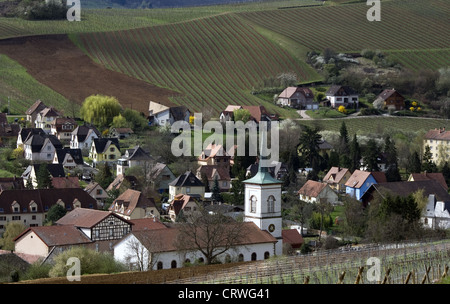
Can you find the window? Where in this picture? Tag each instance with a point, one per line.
(188, 189)
(16, 218)
(173, 264)
(254, 256)
(99, 191)
(271, 204)
(266, 255)
(159, 266)
(253, 204)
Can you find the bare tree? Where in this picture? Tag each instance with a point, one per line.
(210, 233)
(143, 249)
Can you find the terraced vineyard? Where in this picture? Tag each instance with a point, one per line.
(212, 61)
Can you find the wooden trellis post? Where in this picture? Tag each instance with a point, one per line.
(359, 276)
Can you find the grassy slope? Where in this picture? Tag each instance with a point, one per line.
(22, 90)
(409, 29)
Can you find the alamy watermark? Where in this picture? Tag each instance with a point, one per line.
(374, 272)
(374, 13)
(74, 272)
(74, 11)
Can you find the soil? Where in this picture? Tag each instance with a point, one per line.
(56, 62)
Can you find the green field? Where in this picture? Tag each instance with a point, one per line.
(379, 124)
(213, 61)
(19, 90)
(216, 55)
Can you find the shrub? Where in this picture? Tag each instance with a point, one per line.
(37, 271)
(90, 262)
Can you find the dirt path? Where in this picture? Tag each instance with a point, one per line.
(56, 62)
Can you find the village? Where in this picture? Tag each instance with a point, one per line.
(90, 187)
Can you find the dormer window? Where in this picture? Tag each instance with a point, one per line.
(15, 207)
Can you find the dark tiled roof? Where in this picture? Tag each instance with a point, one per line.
(101, 144)
(58, 235)
(38, 106)
(75, 153)
(188, 179)
(44, 199)
(86, 218)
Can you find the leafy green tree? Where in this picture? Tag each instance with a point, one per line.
(371, 155)
(215, 196)
(414, 164)
(43, 177)
(392, 172)
(100, 110)
(355, 154)
(12, 230)
(104, 176)
(91, 262)
(427, 161)
(241, 115)
(309, 146)
(135, 119)
(55, 213)
(120, 122)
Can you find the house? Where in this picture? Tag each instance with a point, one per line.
(132, 204)
(161, 115)
(342, 96)
(439, 177)
(186, 183)
(360, 181)
(30, 173)
(292, 237)
(62, 128)
(41, 147)
(25, 133)
(315, 192)
(120, 133)
(69, 158)
(133, 158)
(160, 177)
(7, 130)
(161, 246)
(94, 229)
(437, 139)
(45, 118)
(65, 182)
(403, 189)
(298, 98)
(257, 113)
(182, 203)
(436, 214)
(33, 111)
(215, 154)
(97, 192)
(11, 183)
(83, 136)
(104, 150)
(31, 206)
(390, 99)
(336, 178)
(213, 172)
(123, 182)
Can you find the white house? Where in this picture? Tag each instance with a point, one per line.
(45, 118)
(83, 136)
(342, 96)
(436, 214)
(298, 97)
(314, 192)
(159, 250)
(40, 147)
(161, 115)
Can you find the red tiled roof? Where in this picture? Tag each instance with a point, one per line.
(439, 177)
(147, 224)
(86, 218)
(57, 235)
(292, 237)
(337, 174)
(438, 134)
(312, 188)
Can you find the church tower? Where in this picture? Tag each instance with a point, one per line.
(263, 204)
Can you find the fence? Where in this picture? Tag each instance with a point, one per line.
(399, 263)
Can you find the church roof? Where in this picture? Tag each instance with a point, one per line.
(262, 177)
